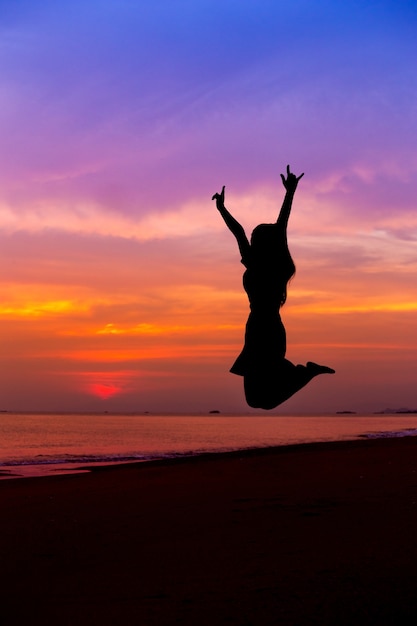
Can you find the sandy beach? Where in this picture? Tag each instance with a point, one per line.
(313, 534)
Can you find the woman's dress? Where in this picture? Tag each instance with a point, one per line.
(265, 338)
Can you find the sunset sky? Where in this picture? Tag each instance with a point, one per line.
(121, 288)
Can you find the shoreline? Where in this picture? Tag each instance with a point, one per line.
(74, 468)
(308, 446)
(61, 453)
(317, 533)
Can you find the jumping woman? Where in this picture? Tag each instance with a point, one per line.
(269, 378)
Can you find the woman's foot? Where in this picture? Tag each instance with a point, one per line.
(317, 369)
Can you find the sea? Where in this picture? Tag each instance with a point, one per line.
(34, 444)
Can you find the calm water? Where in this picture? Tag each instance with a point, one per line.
(33, 444)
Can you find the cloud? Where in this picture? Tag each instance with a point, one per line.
(128, 111)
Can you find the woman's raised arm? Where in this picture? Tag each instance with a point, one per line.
(232, 224)
(290, 183)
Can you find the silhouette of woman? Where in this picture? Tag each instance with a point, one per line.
(269, 378)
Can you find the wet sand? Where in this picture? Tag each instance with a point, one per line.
(314, 534)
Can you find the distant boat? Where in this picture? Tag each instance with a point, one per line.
(214, 411)
(345, 412)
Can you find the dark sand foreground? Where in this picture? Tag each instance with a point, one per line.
(316, 534)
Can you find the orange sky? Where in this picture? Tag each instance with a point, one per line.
(122, 323)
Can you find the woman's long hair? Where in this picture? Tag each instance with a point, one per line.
(271, 256)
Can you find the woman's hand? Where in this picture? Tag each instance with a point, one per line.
(290, 183)
(219, 198)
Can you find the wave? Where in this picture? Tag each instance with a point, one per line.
(77, 459)
(390, 434)
(90, 459)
